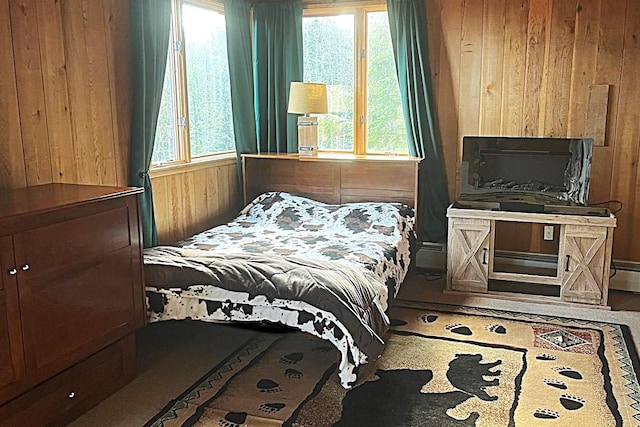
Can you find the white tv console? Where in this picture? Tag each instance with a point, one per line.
(584, 256)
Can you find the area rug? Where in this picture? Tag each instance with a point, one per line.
(442, 366)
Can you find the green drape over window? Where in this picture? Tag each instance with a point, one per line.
(408, 24)
(150, 24)
(237, 15)
(277, 49)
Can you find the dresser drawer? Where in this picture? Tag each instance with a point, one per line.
(72, 392)
(86, 234)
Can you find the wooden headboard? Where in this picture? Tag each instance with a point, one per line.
(333, 178)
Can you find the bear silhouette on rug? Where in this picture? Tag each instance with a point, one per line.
(395, 398)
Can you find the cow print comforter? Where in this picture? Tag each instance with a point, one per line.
(329, 270)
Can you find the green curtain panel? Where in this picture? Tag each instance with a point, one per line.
(150, 24)
(277, 50)
(408, 24)
(237, 15)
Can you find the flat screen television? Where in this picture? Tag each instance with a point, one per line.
(526, 173)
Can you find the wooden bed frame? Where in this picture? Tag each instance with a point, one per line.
(333, 178)
(328, 179)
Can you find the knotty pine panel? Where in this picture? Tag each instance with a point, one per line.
(118, 50)
(12, 169)
(559, 62)
(534, 96)
(55, 83)
(471, 67)
(89, 90)
(514, 63)
(35, 137)
(492, 67)
(71, 82)
(206, 203)
(525, 68)
(583, 71)
(189, 202)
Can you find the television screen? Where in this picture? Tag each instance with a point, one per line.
(521, 169)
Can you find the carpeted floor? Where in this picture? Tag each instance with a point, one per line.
(443, 366)
(174, 355)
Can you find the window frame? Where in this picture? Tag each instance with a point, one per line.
(361, 65)
(176, 59)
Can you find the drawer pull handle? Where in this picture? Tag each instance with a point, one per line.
(566, 265)
(484, 255)
(13, 271)
(71, 395)
(25, 267)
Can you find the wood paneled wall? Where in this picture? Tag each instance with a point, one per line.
(64, 76)
(527, 68)
(195, 200)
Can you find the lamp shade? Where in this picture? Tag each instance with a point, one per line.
(308, 98)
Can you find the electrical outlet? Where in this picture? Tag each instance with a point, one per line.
(548, 232)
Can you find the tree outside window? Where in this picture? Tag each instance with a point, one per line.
(195, 118)
(350, 50)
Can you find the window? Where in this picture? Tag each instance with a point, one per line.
(350, 50)
(195, 118)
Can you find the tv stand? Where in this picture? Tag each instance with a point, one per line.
(584, 257)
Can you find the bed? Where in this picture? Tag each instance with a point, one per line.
(328, 269)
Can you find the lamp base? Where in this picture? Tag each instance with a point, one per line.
(307, 136)
(307, 151)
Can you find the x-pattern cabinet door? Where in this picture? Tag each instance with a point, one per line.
(583, 250)
(468, 254)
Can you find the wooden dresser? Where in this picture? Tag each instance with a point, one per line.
(71, 298)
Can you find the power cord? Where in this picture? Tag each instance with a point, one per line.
(614, 211)
(613, 269)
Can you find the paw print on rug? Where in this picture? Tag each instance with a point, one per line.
(291, 358)
(268, 386)
(233, 419)
(428, 318)
(458, 328)
(271, 408)
(546, 414)
(292, 373)
(545, 356)
(555, 383)
(571, 402)
(497, 329)
(568, 372)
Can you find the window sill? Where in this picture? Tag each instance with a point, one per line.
(194, 165)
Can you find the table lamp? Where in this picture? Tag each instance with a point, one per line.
(308, 98)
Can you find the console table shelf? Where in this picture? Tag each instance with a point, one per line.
(584, 256)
